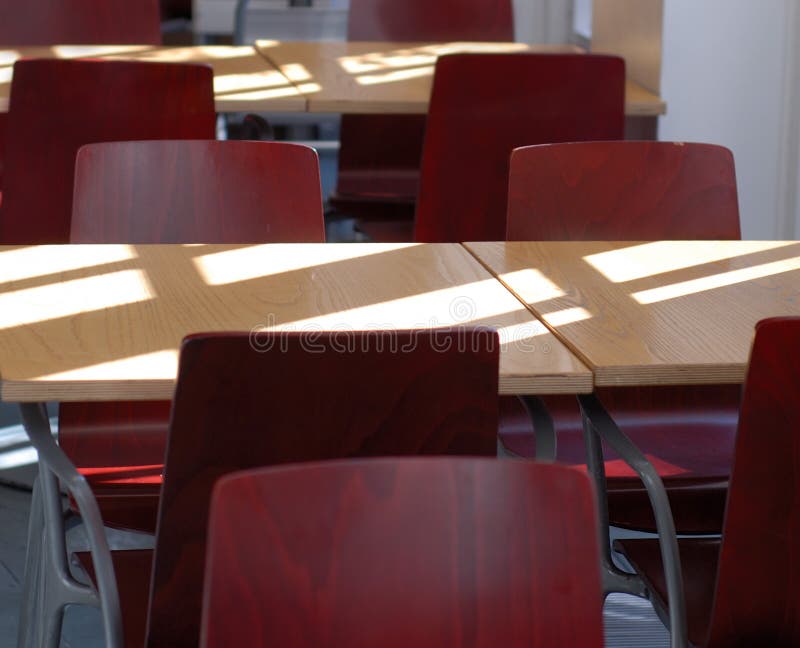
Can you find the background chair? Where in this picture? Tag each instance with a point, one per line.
(637, 191)
(380, 155)
(58, 105)
(173, 192)
(741, 590)
(80, 22)
(403, 552)
(483, 106)
(236, 408)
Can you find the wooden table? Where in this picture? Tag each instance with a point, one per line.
(657, 313)
(661, 313)
(105, 322)
(243, 80)
(374, 77)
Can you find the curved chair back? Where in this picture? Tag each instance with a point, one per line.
(485, 105)
(623, 191)
(79, 22)
(197, 192)
(404, 552)
(245, 402)
(756, 600)
(57, 106)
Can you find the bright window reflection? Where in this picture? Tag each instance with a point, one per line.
(531, 285)
(251, 262)
(158, 365)
(38, 261)
(648, 259)
(719, 280)
(68, 298)
(566, 316)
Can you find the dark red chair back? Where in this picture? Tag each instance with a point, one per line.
(624, 191)
(380, 154)
(485, 105)
(404, 552)
(757, 602)
(249, 401)
(197, 192)
(420, 20)
(98, 22)
(59, 105)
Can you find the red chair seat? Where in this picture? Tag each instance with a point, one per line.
(119, 447)
(699, 560)
(692, 449)
(132, 569)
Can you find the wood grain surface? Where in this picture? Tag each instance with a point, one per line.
(659, 313)
(104, 322)
(385, 77)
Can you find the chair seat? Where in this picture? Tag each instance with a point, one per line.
(119, 447)
(699, 560)
(387, 231)
(132, 569)
(691, 448)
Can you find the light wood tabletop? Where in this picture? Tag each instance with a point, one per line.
(375, 77)
(105, 322)
(665, 312)
(243, 80)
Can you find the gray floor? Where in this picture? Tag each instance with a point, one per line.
(629, 622)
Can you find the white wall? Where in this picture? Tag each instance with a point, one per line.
(728, 70)
(542, 21)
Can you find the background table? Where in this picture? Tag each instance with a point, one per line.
(105, 322)
(375, 77)
(243, 80)
(661, 313)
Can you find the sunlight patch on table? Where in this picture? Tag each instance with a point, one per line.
(38, 261)
(69, 298)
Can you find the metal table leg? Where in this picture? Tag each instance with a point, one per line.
(598, 422)
(49, 586)
(542, 426)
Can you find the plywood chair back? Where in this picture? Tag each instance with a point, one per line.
(756, 600)
(623, 191)
(95, 22)
(57, 106)
(245, 402)
(380, 155)
(404, 552)
(485, 105)
(197, 192)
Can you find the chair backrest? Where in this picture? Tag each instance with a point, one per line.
(404, 552)
(381, 154)
(197, 192)
(421, 20)
(485, 105)
(245, 402)
(623, 191)
(757, 601)
(79, 22)
(59, 105)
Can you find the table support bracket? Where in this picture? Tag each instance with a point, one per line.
(49, 585)
(598, 423)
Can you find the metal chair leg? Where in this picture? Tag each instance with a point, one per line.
(601, 422)
(31, 583)
(543, 428)
(57, 588)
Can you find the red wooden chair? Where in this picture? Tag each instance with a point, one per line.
(633, 191)
(80, 22)
(742, 590)
(403, 552)
(173, 192)
(483, 106)
(235, 408)
(380, 155)
(59, 105)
